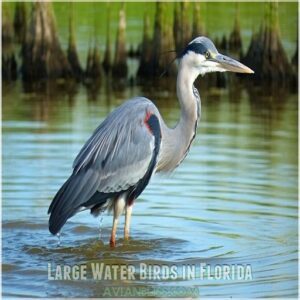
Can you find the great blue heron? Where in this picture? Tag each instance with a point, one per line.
(133, 142)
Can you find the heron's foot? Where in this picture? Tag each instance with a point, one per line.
(126, 235)
(112, 243)
(126, 240)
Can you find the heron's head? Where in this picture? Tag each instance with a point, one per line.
(202, 54)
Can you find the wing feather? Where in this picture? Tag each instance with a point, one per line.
(114, 158)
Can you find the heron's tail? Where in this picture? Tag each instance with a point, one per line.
(57, 210)
(73, 197)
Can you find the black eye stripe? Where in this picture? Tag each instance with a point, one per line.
(195, 47)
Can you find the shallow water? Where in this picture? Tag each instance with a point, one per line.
(232, 201)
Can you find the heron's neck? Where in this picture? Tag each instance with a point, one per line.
(177, 141)
(190, 107)
(187, 95)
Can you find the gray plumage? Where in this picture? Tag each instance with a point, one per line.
(115, 158)
(133, 142)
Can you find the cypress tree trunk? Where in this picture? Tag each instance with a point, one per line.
(235, 40)
(120, 68)
(266, 55)
(146, 68)
(20, 19)
(72, 55)
(9, 63)
(93, 68)
(198, 26)
(181, 27)
(163, 42)
(42, 55)
(107, 55)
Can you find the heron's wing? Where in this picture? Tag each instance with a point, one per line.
(120, 149)
(115, 158)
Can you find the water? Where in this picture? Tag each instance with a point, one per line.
(232, 201)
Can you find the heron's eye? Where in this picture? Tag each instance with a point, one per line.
(207, 55)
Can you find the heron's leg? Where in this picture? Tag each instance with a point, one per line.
(119, 205)
(127, 220)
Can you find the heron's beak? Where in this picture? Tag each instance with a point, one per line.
(229, 64)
